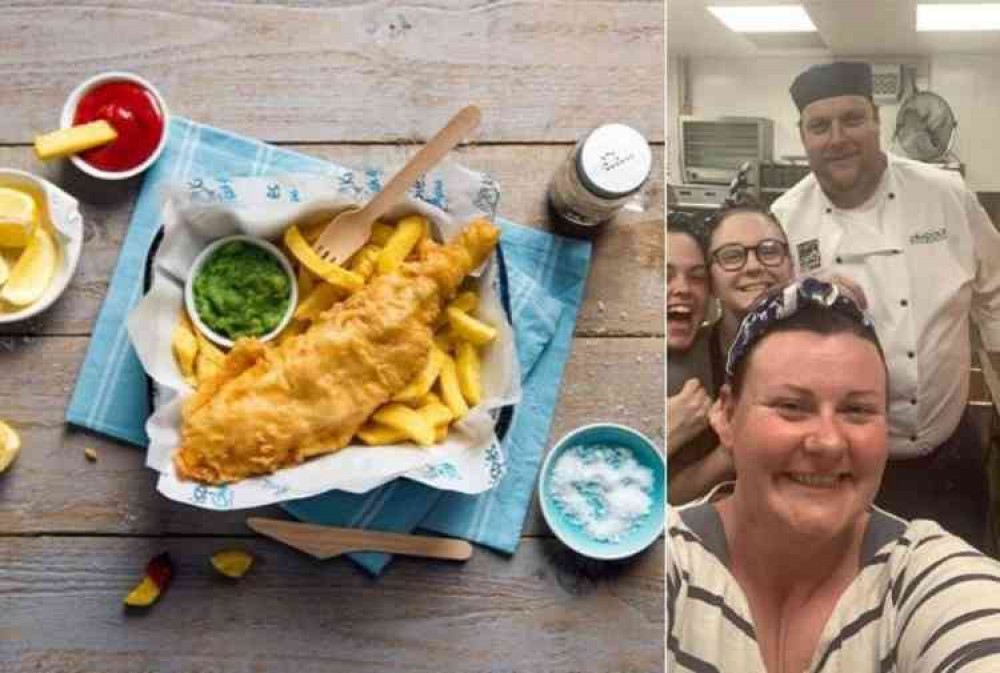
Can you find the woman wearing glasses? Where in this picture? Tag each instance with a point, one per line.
(747, 256)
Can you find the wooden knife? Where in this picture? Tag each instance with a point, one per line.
(327, 541)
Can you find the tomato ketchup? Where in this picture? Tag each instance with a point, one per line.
(135, 115)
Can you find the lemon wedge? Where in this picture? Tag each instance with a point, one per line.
(32, 271)
(10, 445)
(18, 215)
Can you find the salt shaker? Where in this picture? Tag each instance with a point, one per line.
(609, 165)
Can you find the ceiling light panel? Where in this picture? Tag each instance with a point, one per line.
(958, 17)
(765, 19)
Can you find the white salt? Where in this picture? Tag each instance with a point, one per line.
(603, 489)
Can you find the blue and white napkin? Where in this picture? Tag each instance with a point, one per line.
(547, 275)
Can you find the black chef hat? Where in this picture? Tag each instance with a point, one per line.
(840, 78)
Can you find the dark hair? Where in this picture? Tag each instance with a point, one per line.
(689, 225)
(744, 205)
(815, 319)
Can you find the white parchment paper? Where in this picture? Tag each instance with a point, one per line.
(470, 460)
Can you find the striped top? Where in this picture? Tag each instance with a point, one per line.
(923, 602)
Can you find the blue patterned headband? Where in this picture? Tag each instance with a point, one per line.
(784, 303)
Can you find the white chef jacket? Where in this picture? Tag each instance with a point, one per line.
(928, 258)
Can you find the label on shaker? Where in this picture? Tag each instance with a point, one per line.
(610, 164)
(614, 161)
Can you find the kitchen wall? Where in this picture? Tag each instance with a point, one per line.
(674, 94)
(971, 85)
(759, 87)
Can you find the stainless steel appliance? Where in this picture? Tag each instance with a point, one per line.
(713, 149)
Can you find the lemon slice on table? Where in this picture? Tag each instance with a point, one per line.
(18, 215)
(10, 445)
(32, 271)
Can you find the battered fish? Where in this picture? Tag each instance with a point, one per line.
(270, 408)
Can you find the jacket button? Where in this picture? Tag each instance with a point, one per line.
(911, 354)
(892, 195)
(838, 260)
(903, 302)
(829, 210)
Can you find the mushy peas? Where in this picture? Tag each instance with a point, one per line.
(242, 291)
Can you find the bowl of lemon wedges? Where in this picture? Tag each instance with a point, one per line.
(41, 233)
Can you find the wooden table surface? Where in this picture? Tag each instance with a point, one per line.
(360, 83)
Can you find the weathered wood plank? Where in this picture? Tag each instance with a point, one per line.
(357, 81)
(542, 610)
(348, 71)
(625, 293)
(52, 487)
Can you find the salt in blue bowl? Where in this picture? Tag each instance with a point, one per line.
(570, 532)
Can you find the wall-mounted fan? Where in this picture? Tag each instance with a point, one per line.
(925, 127)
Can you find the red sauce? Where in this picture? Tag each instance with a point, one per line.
(134, 114)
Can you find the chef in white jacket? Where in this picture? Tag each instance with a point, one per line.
(927, 257)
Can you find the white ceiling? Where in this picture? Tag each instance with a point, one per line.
(846, 28)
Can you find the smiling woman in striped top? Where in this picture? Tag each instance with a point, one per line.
(790, 569)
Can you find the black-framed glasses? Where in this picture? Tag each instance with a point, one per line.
(733, 256)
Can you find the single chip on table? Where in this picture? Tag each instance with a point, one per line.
(159, 573)
(10, 445)
(232, 563)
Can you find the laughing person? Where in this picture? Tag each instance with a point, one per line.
(927, 257)
(695, 464)
(791, 569)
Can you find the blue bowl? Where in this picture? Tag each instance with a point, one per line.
(570, 532)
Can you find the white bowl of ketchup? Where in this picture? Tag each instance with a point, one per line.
(137, 112)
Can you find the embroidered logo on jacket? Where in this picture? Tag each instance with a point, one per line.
(809, 259)
(932, 236)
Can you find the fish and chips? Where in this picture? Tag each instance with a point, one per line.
(381, 351)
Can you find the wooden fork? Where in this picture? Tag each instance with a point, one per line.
(349, 230)
(324, 542)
